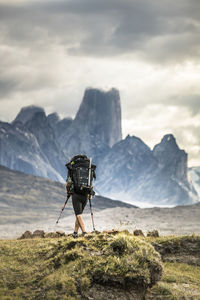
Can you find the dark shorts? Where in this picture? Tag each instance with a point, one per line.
(79, 202)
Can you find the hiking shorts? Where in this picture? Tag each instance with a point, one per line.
(79, 202)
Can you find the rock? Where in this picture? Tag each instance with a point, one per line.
(53, 119)
(62, 126)
(38, 233)
(56, 234)
(171, 159)
(131, 171)
(113, 231)
(138, 232)
(40, 127)
(153, 233)
(60, 233)
(21, 151)
(26, 235)
(27, 113)
(194, 174)
(97, 125)
(51, 235)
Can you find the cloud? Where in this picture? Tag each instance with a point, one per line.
(154, 30)
(51, 50)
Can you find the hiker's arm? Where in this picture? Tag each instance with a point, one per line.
(68, 185)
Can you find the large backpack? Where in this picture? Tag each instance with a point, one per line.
(82, 171)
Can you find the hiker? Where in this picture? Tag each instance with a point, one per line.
(79, 184)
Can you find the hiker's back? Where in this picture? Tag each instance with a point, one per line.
(82, 173)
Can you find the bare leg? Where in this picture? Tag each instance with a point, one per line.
(76, 226)
(80, 222)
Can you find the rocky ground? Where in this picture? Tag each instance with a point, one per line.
(168, 221)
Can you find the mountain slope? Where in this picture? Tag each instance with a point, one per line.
(20, 150)
(144, 177)
(194, 174)
(27, 198)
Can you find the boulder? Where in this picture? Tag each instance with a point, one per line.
(38, 234)
(60, 233)
(26, 235)
(138, 232)
(153, 233)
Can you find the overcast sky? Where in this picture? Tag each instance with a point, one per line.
(50, 51)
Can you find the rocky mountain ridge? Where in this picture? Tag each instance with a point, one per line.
(147, 177)
(127, 169)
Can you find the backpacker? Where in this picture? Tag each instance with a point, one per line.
(82, 171)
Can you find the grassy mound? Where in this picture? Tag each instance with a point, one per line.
(99, 266)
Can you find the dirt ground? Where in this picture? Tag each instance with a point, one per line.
(180, 220)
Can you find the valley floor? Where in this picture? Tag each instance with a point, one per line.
(180, 220)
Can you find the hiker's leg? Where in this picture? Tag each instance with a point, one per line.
(80, 222)
(76, 225)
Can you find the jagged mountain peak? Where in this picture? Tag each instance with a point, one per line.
(98, 102)
(97, 125)
(171, 159)
(168, 138)
(95, 92)
(27, 113)
(168, 141)
(132, 144)
(168, 144)
(53, 118)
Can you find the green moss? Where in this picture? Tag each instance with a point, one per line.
(181, 273)
(60, 282)
(67, 268)
(72, 255)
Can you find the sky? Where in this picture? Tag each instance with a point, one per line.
(52, 50)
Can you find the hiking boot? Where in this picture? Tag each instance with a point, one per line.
(84, 233)
(75, 235)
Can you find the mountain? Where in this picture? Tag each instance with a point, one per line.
(20, 150)
(127, 169)
(39, 144)
(59, 126)
(133, 172)
(97, 125)
(28, 144)
(171, 160)
(194, 174)
(27, 113)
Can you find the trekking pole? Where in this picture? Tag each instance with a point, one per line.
(62, 209)
(90, 196)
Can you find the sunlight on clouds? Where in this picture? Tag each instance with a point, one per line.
(154, 121)
(13, 2)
